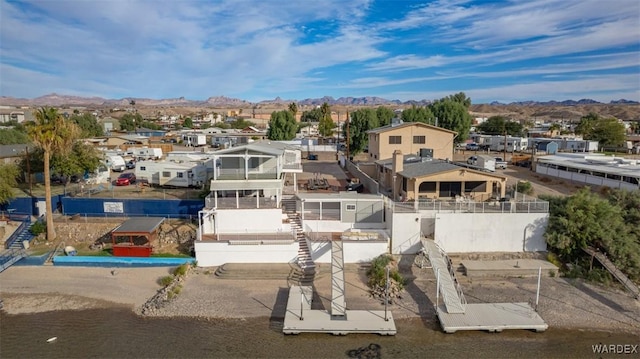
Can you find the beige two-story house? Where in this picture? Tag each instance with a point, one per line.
(410, 138)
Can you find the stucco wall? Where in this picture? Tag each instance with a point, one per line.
(491, 232)
(210, 254)
(249, 220)
(405, 233)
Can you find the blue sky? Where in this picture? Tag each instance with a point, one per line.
(257, 50)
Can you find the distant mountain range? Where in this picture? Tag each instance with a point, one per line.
(223, 101)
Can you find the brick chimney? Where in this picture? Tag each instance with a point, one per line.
(397, 165)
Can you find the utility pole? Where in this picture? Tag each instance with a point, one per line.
(348, 139)
(29, 172)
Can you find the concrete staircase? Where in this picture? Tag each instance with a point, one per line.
(305, 261)
(265, 271)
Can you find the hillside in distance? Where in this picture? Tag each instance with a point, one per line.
(567, 110)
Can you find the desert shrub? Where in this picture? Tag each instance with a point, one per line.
(181, 270)
(166, 280)
(38, 227)
(524, 187)
(378, 274)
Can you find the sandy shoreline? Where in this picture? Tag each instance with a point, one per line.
(46, 288)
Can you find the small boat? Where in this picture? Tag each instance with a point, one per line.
(52, 339)
(70, 251)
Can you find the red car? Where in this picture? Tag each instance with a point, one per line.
(126, 179)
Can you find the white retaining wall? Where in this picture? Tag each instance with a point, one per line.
(212, 254)
(470, 232)
(249, 220)
(491, 232)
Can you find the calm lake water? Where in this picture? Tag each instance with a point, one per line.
(118, 333)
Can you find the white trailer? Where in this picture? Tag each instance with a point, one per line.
(146, 153)
(482, 162)
(115, 163)
(195, 139)
(172, 174)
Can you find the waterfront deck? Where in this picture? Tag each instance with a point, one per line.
(492, 317)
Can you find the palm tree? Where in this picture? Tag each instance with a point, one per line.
(55, 135)
(293, 108)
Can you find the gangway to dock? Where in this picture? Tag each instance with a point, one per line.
(621, 277)
(456, 314)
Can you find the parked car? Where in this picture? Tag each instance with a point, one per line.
(126, 179)
(473, 146)
(131, 165)
(500, 163)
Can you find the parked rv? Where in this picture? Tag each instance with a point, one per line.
(116, 163)
(195, 140)
(146, 153)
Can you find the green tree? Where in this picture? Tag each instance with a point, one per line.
(460, 98)
(452, 113)
(53, 134)
(314, 115)
(241, 123)
(187, 123)
(586, 125)
(12, 136)
(82, 159)
(360, 121)
(586, 219)
(129, 122)
(88, 124)
(326, 125)
(498, 125)
(293, 108)
(608, 132)
(282, 126)
(8, 181)
(418, 114)
(385, 115)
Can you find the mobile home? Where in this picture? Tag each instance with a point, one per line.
(172, 174)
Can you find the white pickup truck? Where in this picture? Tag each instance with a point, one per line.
(500, 163)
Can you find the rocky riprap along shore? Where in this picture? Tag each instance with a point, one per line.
(164, 295)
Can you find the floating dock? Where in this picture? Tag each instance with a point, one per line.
(492, 317)
(456, 314)
(300, 318)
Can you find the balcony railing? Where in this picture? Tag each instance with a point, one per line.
(527, 206)
(239, 174)
(240, 202)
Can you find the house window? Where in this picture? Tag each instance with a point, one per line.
(351, 207)
(419, 139)
(166, 174)
(395, 140)
(143, 168)
(180, 174)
